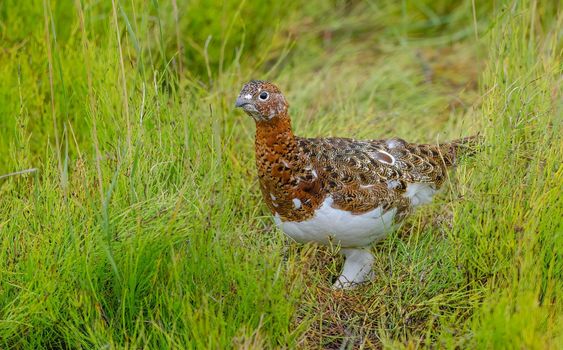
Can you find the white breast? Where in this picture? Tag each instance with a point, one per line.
(340, 226)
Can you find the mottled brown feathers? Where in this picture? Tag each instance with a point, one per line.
(297, 174)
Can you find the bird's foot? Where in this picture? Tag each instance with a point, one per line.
(356, 270)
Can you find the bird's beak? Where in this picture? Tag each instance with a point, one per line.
(241, 101)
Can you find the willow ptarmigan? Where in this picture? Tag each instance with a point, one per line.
(338, 190)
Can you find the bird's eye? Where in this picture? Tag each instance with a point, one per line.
(263, 96)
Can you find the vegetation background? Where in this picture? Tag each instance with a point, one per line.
(138, 223)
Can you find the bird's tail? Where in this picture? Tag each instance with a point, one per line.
(451, 151)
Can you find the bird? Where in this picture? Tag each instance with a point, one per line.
(341, 191)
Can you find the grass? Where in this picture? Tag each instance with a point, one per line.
(139, 223)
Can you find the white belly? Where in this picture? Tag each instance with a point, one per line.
(420, 193)
(340, 227)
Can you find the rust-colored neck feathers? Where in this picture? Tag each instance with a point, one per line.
(276, 150)
(281, 171)
(275, 133)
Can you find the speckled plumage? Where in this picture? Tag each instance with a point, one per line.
(297, 175)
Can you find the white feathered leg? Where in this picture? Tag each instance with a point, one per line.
(357, 268)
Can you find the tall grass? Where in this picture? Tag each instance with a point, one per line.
(129, 211)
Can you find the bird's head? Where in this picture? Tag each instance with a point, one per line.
(261, 100)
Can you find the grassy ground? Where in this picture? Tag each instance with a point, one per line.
(140, 225)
